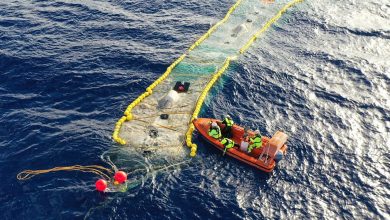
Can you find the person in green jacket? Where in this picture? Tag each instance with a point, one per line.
(228, 122)
(255, 142)
(227, 143)
(215, 131)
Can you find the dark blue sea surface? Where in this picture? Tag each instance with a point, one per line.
(68, 69)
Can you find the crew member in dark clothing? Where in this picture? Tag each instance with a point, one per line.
(227, 130)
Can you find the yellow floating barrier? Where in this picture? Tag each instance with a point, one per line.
(174, 64)
(149, 90)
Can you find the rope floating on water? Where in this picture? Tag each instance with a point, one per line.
(98, 170)
(101, 185)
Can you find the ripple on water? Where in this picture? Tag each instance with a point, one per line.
(68, 69)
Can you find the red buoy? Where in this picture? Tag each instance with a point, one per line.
(101, 185)
(120, 176)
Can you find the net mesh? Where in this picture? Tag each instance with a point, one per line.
(151, 132)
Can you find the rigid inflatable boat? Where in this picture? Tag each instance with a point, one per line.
(265, 158)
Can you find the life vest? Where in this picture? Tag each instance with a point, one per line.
(228, 122)
(227, 143)
(256, 143)
(215, 132)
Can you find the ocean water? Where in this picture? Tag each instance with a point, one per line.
(68, 69)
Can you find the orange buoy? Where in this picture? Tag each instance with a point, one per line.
(101, 185)
(120, 176)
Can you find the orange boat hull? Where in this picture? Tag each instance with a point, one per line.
(264, 163)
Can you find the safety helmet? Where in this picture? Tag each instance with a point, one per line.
(257, 132)
(214, 125)
(228, 116)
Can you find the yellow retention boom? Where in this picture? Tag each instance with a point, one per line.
(206, 90)
(223, 69)
(199, 104)
(127, 114)
(268, 25)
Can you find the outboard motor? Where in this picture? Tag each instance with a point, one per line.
(278, 156)
(275, 145)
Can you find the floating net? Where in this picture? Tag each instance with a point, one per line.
(159, 120)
